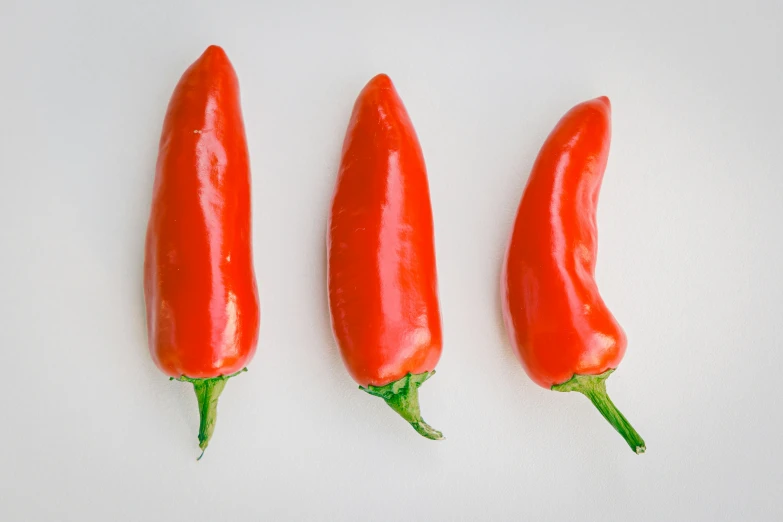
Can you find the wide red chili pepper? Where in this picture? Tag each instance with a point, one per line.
(381, 256)
(563, 332)
(199, 284)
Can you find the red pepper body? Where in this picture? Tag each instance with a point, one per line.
(562, 330)
(382, 279)
(558, 322)
(199, 283)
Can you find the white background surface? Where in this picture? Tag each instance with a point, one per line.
(690, 260)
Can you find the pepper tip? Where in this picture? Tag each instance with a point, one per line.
(214, 48)
(214, 53)
(381, 81)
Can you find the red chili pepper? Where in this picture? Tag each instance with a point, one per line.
(199, 284)
(381, 256)
(563, 332)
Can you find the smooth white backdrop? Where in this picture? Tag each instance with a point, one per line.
(689, 260)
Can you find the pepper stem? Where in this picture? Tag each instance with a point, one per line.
(207, 392)
(594, 388)
(403, 397)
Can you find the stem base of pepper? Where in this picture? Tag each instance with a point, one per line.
(594, 388)
(207, 392)
(402, 396)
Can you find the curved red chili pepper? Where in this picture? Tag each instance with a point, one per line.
(565, 336)
(381, 275)
(199, 283)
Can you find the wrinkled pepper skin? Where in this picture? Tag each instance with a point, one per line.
(382, 281)
(561, 329)
(199, 282)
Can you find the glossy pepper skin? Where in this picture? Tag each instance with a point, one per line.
(199, 283)
(563, 332)
(382, 280)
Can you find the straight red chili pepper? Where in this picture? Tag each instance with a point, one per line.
(381, 256)
(565, 336)
(199, 283)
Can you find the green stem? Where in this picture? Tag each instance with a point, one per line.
(594, 388)
(403, 397)
(207, 392)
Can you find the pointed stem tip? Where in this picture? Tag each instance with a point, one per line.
(208, 392)
(594, 388)
(403, 397)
